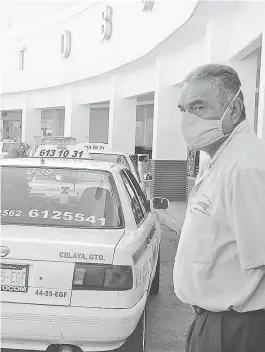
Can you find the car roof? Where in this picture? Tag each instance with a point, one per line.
(60, 162)
(108, 152)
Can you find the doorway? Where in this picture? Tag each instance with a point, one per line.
(144, 124)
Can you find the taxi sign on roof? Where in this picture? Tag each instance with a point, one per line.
(56, 140)
(58, 147)
(61, 151)
(94, 147)
(38, 141)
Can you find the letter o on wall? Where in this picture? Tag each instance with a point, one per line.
(65, 44)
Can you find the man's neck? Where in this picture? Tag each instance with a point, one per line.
(212, 149)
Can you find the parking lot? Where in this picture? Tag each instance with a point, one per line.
(167, 318)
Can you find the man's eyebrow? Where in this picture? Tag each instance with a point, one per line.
(190, 104)
(194, 102)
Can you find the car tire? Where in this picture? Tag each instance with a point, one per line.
(156, 280)
(136, 342)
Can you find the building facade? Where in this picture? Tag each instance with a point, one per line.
(111, 72)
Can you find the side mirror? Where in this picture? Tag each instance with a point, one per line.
(148, 177)
(159, 203)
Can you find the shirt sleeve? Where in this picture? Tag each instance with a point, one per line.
(247, 214)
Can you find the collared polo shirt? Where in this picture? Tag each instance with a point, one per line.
(220, 261)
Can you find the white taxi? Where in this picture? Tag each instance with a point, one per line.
(76, 271)
(96, 151)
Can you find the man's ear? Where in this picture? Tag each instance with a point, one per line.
(236, 111)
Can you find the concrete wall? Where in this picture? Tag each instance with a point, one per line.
(99, 125)
(134, 34)
(141, 56)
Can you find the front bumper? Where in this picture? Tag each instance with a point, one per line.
(36, 327)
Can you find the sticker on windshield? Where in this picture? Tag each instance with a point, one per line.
(90, 177)
(11, 212)
(56, 215)
(33, 171)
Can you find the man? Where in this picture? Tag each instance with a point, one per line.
(220, 262)
(16, 150)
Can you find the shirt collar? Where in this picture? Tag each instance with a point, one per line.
(242, 127)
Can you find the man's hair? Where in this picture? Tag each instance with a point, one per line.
(224, 77)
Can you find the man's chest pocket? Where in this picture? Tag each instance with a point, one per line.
(198, 237)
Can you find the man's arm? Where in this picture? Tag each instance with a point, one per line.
(246, 211)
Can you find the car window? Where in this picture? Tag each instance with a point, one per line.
(135, 169)
(137, 208)
(138, 190)
(59, 197)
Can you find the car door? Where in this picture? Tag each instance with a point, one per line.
(148, 239)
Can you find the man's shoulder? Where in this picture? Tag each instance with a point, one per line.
(247, 151)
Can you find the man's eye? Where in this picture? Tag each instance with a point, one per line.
(198, 109)
(182, 109)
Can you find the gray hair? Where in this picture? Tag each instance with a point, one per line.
(224, 77)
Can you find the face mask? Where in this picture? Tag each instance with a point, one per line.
(199, 133)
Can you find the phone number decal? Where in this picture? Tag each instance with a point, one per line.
(55, 215)
(67, 216)
(95, 147)
(63, 153)
(11, 212)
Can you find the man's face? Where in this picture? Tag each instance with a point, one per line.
(201, 99)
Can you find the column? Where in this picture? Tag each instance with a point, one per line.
(31, 124)
(1, 103)
(76, 122)
(247, 71)
(1, 129)
(261, 110)
(122, 121)
(169, 159)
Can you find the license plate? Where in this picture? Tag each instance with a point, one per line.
(14, 278)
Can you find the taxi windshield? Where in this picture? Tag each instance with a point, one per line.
(44, 196)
